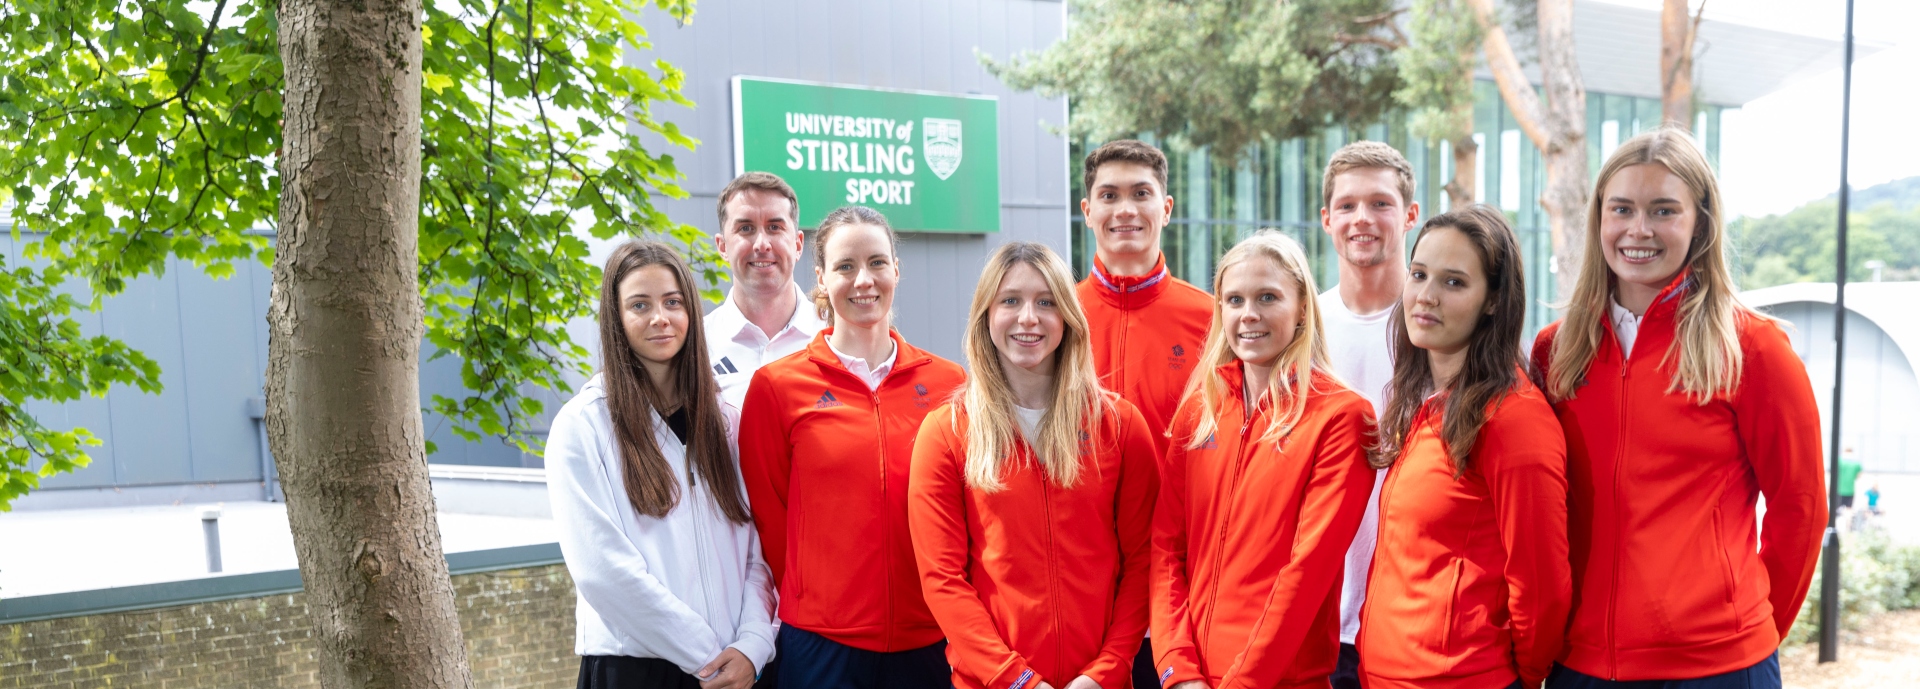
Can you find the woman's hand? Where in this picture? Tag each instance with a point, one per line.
(731, 670)
(1083, 682)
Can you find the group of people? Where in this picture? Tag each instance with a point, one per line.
(1134, 482)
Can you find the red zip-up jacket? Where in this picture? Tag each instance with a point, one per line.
(825, 462)
(1250, 540)
(1036, 582)
(1147, 332)
(1470, 585)
(1661, 491)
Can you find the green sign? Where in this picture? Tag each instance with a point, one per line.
(929, 161)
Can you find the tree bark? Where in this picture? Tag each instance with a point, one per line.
(1558, 127)
(1466, 159)
(345, 322)
(1676, 62)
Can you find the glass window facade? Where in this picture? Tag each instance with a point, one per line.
(1219, 200)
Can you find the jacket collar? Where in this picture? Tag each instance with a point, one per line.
(1131, 289)
(905, 356)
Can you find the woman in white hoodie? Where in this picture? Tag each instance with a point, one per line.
(647, 496)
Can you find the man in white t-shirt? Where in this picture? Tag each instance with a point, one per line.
(1369, 208)
(765, 316)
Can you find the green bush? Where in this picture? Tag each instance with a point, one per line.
(1876, 576)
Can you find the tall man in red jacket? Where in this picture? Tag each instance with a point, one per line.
(1147, 326)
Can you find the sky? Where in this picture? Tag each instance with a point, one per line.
(1783, 150)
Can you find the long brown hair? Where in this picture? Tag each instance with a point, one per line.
(1705, 352)
(1077, 400)
(1493, 352)
(1293, 371)
(632, 397)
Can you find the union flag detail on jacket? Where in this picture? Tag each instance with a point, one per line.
(827, 400)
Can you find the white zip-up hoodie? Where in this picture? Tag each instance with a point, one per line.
(682, 588)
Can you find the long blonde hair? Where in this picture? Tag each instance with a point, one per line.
(1706, 343)
(1293, 371)
(987, 399)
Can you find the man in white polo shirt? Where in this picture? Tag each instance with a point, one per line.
(765, 316)
(1369, 208)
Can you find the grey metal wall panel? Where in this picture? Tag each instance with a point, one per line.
(221, 372)
(147, 317)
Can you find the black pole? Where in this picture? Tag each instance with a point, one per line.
(1830, 569)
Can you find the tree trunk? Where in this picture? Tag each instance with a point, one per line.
(1465, 173)
(1676, 62)
(1557, 127)
(343, 398)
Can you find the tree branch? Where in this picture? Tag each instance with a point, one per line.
(1527, 109)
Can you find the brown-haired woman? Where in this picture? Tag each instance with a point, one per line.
(1470, 584)
(826, 440)
(648, 501)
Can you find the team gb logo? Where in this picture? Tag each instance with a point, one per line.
(940, 141)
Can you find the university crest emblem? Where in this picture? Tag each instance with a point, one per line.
(940, 145)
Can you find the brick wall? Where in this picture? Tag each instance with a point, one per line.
(518, 625)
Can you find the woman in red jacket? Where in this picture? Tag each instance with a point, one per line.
(826, 440)
(1470, 585)
(1263, 487)
(1032, 495)
(1681, 407)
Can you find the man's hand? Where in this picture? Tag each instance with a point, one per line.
(731, 670)
(1083, 682)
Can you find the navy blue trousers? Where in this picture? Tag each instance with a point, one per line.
(811, 661)
(1143, 675)
(1762, 675)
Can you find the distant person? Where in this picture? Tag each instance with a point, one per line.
(1032, 494)
(765, 316)
(1367, 209)
(1681, 409)
(647, 501)
(1262, 489)
(1147, 326)
(826, 445)
(1470, 584)
(1873, 499)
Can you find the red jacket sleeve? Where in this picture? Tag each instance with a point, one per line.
(1523, 456)
(1175, 658)
(1780, 428)
(766, 463)
(1336, 498)
(936, 519)
(1133, 519)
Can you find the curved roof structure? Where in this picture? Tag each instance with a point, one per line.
(1893, 306)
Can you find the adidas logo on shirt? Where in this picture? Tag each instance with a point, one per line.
(1209, 443)
(724, 367)
(827, 400)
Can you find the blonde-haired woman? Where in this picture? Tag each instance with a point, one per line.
(1263, 488)
(1032, 494)
(1681, 407)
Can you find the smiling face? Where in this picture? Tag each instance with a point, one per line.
(1647, 220)
(1024, 322)
(1126, 208)
(859, 274)
(1367, 218)
(653, 313)
(1260, 310)
(760, 240)
(1446, 292)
